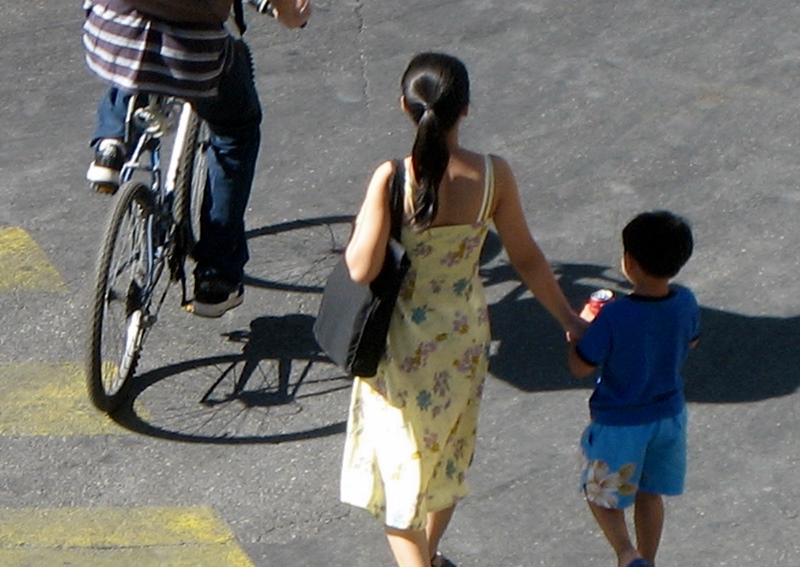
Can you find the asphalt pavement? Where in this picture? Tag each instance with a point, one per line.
(228, 453)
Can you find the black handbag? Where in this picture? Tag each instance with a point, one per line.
(353, 319)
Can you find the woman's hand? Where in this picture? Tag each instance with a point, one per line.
(576, 327)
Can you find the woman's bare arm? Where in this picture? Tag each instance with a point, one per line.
(366, 250)
(527, 258)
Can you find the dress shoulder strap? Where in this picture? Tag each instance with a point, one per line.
(488, 189)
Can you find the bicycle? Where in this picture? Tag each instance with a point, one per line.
(148, 238)
(149, 235)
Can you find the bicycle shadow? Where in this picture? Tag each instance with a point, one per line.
(739, 359)
(279, 388)
(300, 255)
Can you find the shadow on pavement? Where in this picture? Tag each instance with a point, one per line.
(297, 256)
(278, 389)
(739, 359)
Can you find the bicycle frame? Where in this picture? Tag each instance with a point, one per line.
(145, 126)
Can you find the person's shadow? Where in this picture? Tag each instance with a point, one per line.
(740, 358)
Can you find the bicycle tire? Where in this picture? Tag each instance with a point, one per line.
(118, 306)
(190, 184)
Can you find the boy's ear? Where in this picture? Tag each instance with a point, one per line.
(626, 258)
(629, 264)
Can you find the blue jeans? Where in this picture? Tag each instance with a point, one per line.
(234, 118)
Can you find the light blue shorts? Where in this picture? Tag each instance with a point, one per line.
(620, 461)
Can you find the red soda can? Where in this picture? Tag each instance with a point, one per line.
(599, 298)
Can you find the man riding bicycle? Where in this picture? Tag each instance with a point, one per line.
(182, 48)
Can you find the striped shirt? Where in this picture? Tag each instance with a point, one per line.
(138, 53)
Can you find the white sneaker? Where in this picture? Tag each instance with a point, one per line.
(103, 173)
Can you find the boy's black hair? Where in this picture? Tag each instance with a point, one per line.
(660, 241)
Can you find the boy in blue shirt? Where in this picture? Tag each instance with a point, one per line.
(635, 445)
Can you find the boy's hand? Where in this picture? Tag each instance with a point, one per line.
(587, 314)
(292, 13)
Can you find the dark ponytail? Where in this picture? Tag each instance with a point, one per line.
(436, 90)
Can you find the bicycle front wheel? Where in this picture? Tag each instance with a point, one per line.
(119, 303)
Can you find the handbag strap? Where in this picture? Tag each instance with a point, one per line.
(397, 197)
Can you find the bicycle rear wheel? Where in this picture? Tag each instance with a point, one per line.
(190, 181)
(120, 302)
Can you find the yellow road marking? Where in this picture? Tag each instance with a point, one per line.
(123, 537)
(23, 265)
(48, 399)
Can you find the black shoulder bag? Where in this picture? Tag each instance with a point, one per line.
(353, 319)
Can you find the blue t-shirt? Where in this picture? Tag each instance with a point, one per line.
(640, 344)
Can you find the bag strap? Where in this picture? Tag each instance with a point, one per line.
(397, 197)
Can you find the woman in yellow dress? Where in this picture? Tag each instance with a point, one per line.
(412, 427)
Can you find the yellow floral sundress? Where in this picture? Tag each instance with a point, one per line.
(411, 429)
